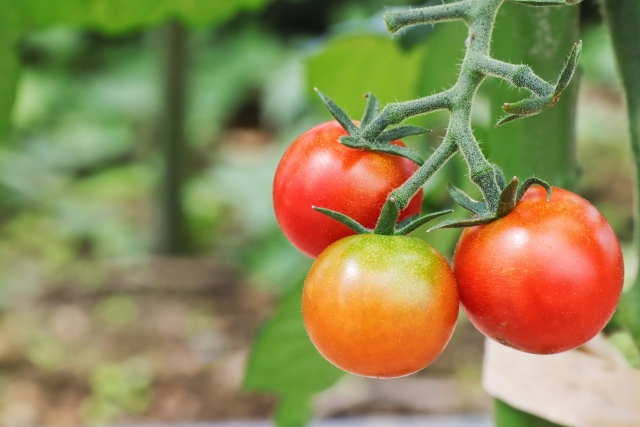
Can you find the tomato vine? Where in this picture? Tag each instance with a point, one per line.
(499, 196)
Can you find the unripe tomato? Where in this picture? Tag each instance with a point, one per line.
(317, 170)
(543, 279)
(380, 306)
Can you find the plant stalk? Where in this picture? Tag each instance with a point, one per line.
(623, 18)
(173, 140)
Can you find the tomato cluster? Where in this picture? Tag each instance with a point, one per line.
(544, 278)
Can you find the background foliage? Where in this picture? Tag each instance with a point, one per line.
(94, 326)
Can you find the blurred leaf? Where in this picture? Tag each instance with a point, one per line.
(507, 416)
(113, 16)
(623, 341)
(348, 67)
(107, 16)
(597, 62)
(9, 64)
(623, 18)
(283, 360)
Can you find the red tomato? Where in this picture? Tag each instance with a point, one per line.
(317, 170)
(380, 306)
(545, 278)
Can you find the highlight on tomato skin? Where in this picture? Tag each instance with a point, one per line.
(317, 170)
(544, 279)
(380, 306)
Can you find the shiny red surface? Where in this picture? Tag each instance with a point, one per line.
(317, 170)
(544, 279)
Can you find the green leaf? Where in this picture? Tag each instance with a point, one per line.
(507, 416)
(283, 360)
(569, 69)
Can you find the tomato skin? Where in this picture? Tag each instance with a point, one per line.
(380, 306)
(317, 170)
(545, 278)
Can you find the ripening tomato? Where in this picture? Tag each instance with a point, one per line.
(317, 170)
(380, 306)
(543, 279)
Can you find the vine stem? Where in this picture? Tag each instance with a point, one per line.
(499, 200)
(480, 17)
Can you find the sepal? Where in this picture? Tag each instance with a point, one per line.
(388, 218)
(401, 132)
(465, 222)
(536, 104)
(338, 113)
(397, 150)
(406, 227)
(569, 69)
(533, 181)
(344, 219)
(461, 198)
(353, 142)
(529, 106)
(371, 110)
(508, 199)
(500, 178)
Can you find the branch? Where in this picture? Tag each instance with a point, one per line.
(548, 2)
(427, 15)
(392, 114)
(521, 76)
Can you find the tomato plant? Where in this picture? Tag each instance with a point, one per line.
(380, 306)
(317, 170)
(543, 279)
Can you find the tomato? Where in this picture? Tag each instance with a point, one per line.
(380, 306)
(543, 279)
(317, 170)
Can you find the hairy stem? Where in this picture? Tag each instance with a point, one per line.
(427, 15)
(403, 194)
(395, 113)
(521, 76)
(480, 16)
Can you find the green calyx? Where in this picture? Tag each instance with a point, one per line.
(499, 197)
(509, 198)
(387, 223)
(381, 143)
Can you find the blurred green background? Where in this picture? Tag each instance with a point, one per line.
(131, 285)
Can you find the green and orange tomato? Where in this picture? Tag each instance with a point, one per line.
(380, 306)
